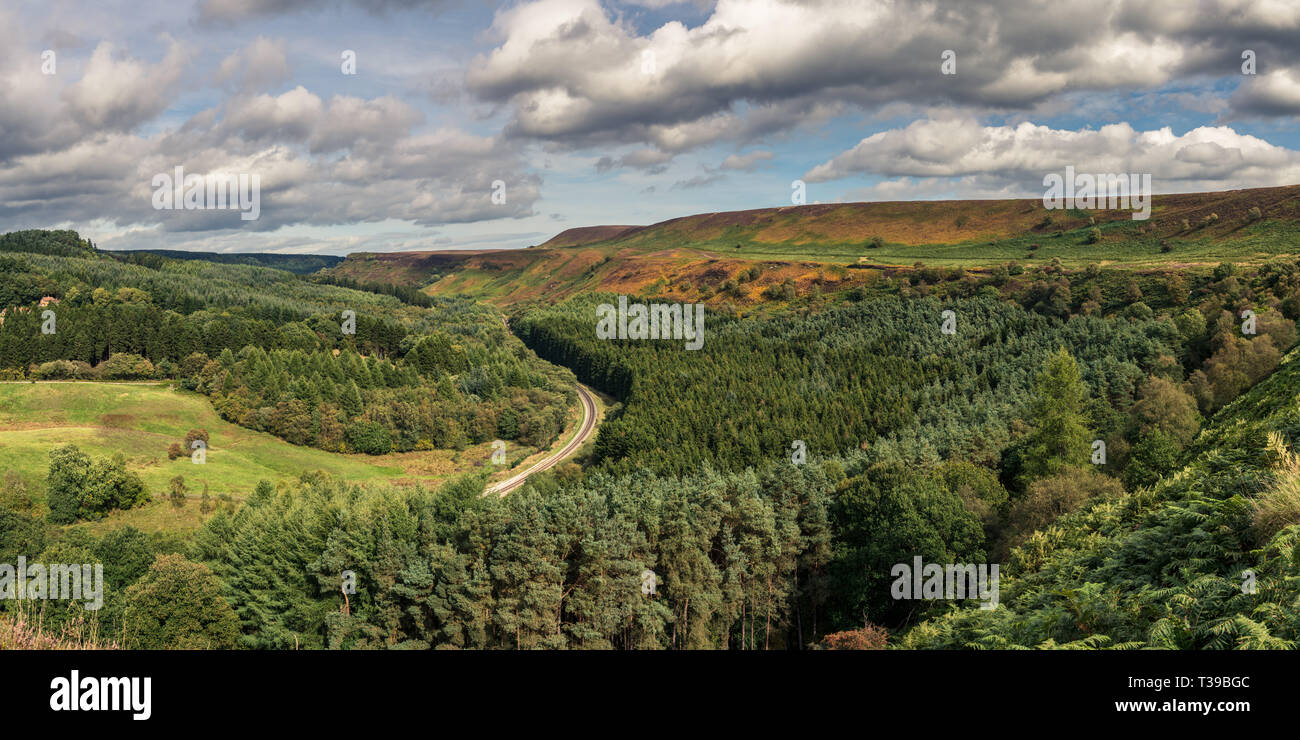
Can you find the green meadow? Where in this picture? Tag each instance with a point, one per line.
(140, 420)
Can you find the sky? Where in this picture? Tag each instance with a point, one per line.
(388, 125)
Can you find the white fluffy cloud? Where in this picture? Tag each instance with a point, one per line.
(119, 93)
(1014, 159)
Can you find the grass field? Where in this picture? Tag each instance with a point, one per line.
(141, 420)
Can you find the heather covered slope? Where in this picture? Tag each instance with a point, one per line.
(827, 228)
(1170, 566)
(794, 242)
(581, 235)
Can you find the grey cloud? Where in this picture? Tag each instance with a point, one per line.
(650, 161)
(231, 11)
(1272, 94)
(257, 66)
(572, 72)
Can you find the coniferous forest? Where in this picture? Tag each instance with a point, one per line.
(768, 482)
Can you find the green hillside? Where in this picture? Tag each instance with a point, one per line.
(141, 420)
(1169, 566)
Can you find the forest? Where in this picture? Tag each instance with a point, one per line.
(1117, 441)
(336, 368)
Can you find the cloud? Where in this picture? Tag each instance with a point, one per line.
(80, 151)
(1272, 94)
(119, 93)
(650, 160)
(60, 39)
(573, 72)
(257, 66)
(1014, 159)
(699, 181)
(747, 162)
(231, 11)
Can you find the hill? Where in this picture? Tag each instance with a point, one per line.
(300, 264)
(583, 235)
(39, 241)
(798, 243)
(830, 229)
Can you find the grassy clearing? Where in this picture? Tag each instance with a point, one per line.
(140, 420)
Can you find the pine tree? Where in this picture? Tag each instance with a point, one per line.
(351, 400)
(1060, 437)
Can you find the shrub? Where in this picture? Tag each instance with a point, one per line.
(123, 366)
(78, 487)
(1254, 214)
(1049, 498)
(177, 492)
(178, 605)
(1278, 507)
(1094, 235)
(1224, 270)
(1291, 306)
(1154, 455)
(978, 488)
(14, 494)
(191, 436)
(870, 637)
(369, 437)
(63, 370)
(174, 451)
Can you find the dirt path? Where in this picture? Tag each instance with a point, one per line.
(585, 430)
